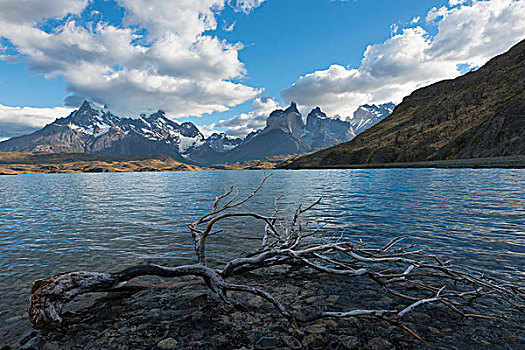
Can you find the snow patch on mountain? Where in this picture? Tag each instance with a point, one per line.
(221, 142)
(368, 115)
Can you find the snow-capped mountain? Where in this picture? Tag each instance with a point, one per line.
(367, 116)
(221, 142)
(286, 133)
(94, 130)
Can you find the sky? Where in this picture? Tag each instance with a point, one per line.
(226, 64)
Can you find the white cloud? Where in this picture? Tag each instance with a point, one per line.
(394, 28)
(467, 35)
(436, 13)
(229, 27)
(245, 6)
(162, 58)
(456, 2)
(32, 11)
(244, 123)
(16, 121)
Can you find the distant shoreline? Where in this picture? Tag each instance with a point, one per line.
(510, 162)
(55, 163)
(15, 163)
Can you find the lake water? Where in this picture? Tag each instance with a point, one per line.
(62, 222)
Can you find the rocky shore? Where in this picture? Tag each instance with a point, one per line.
(192, 318)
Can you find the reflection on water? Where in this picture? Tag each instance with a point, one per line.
(56, 223)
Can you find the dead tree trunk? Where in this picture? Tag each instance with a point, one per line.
(404, 272)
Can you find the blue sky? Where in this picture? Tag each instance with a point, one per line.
(237, 60)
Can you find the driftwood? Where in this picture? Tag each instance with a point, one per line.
(404, 272)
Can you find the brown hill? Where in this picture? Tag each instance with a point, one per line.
(12, 163)
(480, 114)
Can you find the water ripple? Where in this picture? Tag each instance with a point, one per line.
(55, 223)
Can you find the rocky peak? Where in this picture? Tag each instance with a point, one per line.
(85, 113)
(252, 135)
(312, 120)
(292, 108)
(289, 120)
(159, 114)
(88, 120)
(86, 107)
(189, 129)
(317, 111)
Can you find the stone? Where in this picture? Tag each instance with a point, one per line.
(379, 344)
(27, 336)
(35, 343)
(167, 344)
(292, 342)
(124, 330)
(311, 300)
(329, 323)
(387, 301)
(349, 342)
(434, 330)
(256, 302)
(197, 315)
(267, 343)
(355, 322)
(220, 342)
(315, 329)
(314, 341)
(199, 344)
(253, 336)
(51, 346)
(332, 298)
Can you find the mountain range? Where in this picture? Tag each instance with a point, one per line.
(479, 114)
(95, 130)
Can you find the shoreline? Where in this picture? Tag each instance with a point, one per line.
(510, 162)
(50, 163)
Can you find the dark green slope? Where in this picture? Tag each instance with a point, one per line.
(480, 114)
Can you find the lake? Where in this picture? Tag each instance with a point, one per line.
(105, 222)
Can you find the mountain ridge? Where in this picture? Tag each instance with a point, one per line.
(287, 133)
(96, 130)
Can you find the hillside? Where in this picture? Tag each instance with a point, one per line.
(480, 114)
(12, 163)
